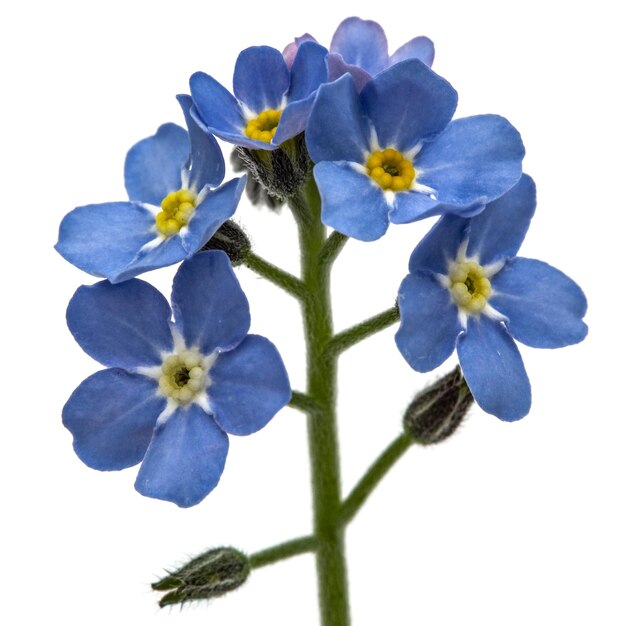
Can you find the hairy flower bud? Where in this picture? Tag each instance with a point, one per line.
(232, 239)
(254, 190)
(282, 172)
(437, 412)
(209, 575)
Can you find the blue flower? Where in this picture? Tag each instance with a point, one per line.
(172, 211)
(359, 47)
(467, 289)
(391, 153)
(271, 103)
(173, 391)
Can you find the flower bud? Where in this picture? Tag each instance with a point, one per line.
(254, 190)
(232, 239)
(437, 412)
(209, 575)
(281, 172)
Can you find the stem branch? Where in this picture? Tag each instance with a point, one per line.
(377, 471)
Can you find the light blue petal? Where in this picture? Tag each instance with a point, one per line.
(440, 245)
(293, 120)
(493, 369)
(420, 48)
(261, 78)
(408, 103)
(337, 129)
(499, 230)
(210, 309)
(410, 206)
(102, 239)
(168, 252)
(125, 325)
(337, 67)
(249, 385)
(214, 210)
(544, 306)
(362, 43)
(475, 159)
(429, 323)
(308, 71)
(185, 459)
(217, 109)
(207, 162)
(111, 416)
(351, 202)
(153, 166)
(237, 136)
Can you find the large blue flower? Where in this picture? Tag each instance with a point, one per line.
(467, 289)
(173, 390)
(391, 153)
(359, 47)
(173, 210)
(271, 103)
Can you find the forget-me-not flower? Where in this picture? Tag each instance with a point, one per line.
(271, 102)
(359, 47)
(173, 209)
(391, 152)
(467, 289)
(173, 391)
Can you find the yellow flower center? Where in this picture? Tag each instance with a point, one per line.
(390, 169)
(183, 376)
(176, 210)
(469, 286)
(263, 127)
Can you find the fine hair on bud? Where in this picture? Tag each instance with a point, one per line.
(436, 413)
(231, 239)
(207, 576)
(281, 172)
(255, 192)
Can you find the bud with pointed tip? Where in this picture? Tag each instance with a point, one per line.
(209, 575)
(437, 412)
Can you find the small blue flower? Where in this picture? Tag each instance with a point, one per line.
(359, 47)
(172, 211)
(391, 153)
(271, 103)
(173, 390)
(467, 289)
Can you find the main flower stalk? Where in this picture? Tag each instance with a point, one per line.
(322, 426)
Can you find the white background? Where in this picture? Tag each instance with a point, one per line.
(504, 524)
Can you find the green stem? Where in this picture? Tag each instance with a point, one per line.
(303, 402)
(280, 278)
(348, 338)
(377, 471)
(285, 550)
(331, 249)
(322, 428)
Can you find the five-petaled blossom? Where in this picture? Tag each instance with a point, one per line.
(173, 210)
(173, 390)
(272, 102)
(467, 289)
(391, 152)
(359, 47)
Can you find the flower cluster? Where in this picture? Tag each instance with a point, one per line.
(374, 135)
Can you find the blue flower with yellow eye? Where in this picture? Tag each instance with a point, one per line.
(173, 391)
(391, 152)
(174, 208)
(271, 102)
(359, 47)
(467, 290)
